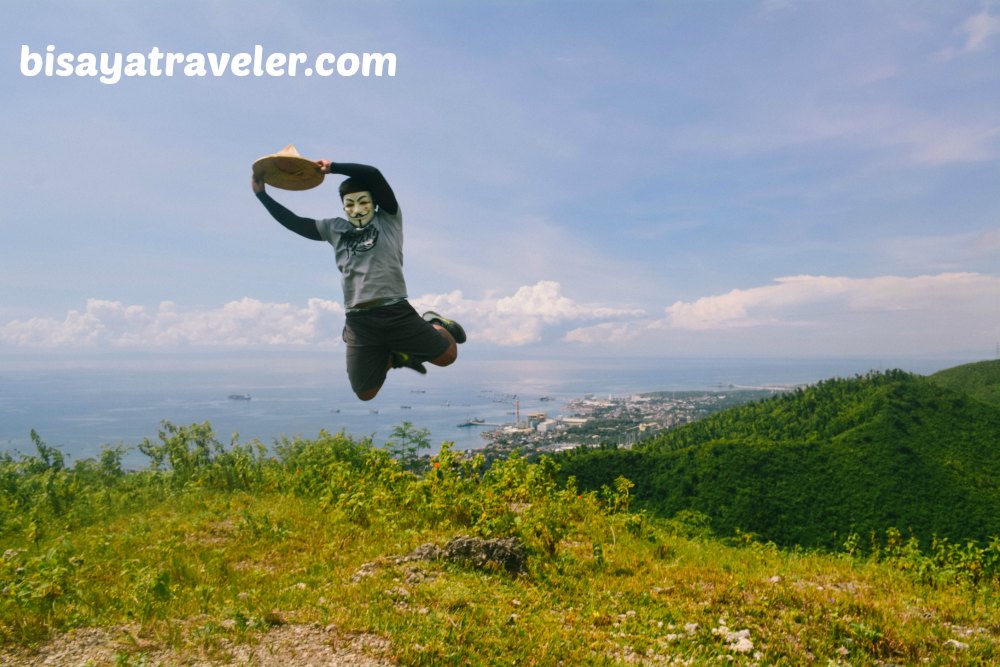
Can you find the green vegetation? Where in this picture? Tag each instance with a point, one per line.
(693, 548)
(709, 402)
(811, 468)
(981, 380)
(215, 545)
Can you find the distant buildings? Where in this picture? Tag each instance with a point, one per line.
(619, 421)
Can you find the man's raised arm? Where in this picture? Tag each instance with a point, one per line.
(302, 226)
(382, 193)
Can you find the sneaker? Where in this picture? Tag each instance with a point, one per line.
(451, 326)
(403, 360)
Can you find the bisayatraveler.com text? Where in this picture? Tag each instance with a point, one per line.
(110, 68)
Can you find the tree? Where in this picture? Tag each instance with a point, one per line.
(405, 444)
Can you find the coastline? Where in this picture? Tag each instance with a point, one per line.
(81, 403)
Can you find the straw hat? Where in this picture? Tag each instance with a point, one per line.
(288, 170)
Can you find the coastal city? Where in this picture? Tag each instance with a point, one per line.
(592, 421)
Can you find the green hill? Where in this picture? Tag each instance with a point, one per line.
(981, 380)
(887, 450)
(329, 551)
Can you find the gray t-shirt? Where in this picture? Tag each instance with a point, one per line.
(370, 259)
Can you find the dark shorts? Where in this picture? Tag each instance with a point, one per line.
(371, 335)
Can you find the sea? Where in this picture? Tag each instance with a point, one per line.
(80, 404)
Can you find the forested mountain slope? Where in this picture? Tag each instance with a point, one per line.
(981, 380)
(846, 455)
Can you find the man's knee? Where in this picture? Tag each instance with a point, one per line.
(368, 394)
(448, 357)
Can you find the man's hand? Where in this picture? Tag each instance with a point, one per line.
(324, 166)
(256, 184)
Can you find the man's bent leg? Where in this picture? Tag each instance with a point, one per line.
(367, 364)
(368, 394)
(448, 357)
(428, 338)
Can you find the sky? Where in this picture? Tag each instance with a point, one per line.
(578, 179)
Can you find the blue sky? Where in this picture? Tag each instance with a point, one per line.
(578, 178)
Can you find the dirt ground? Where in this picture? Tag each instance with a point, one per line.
(281, 646)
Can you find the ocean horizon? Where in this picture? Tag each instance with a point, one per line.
(79, 404)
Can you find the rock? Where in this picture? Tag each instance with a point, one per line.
(424, 552)
(741, 645)
(509, 554)
(736, 640)
(957, 645)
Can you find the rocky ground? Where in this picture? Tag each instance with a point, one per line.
(281, 646)
(284, 645)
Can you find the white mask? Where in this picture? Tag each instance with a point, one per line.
(359, 207)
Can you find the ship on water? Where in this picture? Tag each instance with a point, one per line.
(239, 397)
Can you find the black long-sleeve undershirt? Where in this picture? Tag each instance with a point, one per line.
(302, 226)
(306, 227)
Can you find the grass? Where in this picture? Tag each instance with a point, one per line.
(313, 536)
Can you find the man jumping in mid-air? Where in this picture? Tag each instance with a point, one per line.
(382, 329)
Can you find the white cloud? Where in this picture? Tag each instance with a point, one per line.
(802, 314)
(947, 313)
(247, 322)
(750, 307)
(820, 300)
(821, 315)
(517, 319)
(521, 318)
(979, 29)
